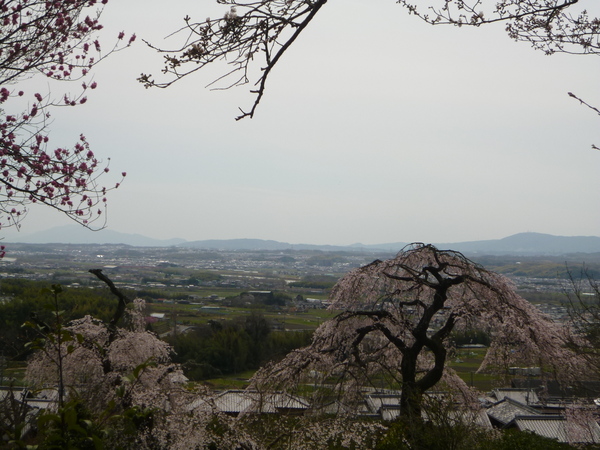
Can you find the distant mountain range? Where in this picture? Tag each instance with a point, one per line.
(530, 244)
(518, 244)
(75, 234)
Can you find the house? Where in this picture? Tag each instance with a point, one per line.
(559, 428)
(384, 405)
(236, 402)
(387, 407)
(555, 391)
(523, 396)
(21, 407)
(504, 411)
(523, 410)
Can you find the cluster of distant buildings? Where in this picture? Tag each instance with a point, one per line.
(553, 416)
(557, 414)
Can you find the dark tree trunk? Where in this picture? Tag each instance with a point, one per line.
(413, 390)
(410, 401)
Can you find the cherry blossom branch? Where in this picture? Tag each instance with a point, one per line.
(546, 25)
(250, 30)
(593, 108)
(265, 29)
(55, 39)
(443, 15)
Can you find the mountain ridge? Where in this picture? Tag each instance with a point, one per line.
(527, 243)
(76, 234)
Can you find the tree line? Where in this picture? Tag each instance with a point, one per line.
(22, 298)
(225, 348)
(209, 350)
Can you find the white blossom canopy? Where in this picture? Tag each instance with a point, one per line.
(395, 325)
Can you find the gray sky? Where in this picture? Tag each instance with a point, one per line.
(375, 127)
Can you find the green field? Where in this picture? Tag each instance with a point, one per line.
(466, 361)
(194, 314)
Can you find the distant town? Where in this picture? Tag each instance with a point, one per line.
(192, 274)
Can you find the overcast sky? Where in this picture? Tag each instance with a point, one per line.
(375, 127)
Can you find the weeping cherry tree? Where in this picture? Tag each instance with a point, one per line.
(395, 324)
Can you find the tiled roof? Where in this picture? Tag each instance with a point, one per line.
(559, 428)
(523, 396)
(238, 401)
(507, 409)
(377, 401)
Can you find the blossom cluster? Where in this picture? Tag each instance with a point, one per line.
(547, 25)
(249, 31)
(96, 362)
(57, 40)
(128, 368)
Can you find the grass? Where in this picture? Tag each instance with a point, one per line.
(193, 315)
(466, 362)
(236, 381)
(14, 372)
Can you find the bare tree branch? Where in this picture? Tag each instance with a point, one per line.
(252, 30)
(123, 299)
(253, 35)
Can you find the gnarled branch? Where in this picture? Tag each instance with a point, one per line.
(123, 299)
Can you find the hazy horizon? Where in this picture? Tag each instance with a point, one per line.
(78, 232)
(401, 132)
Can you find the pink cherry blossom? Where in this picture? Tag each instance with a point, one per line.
(57, 39)
(395, 325)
